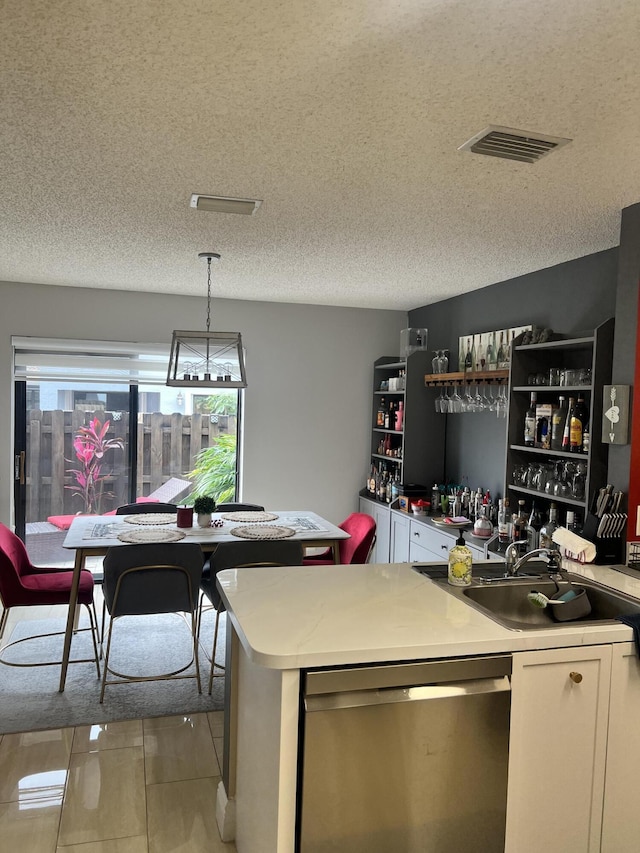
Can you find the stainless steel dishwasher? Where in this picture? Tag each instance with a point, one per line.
(405, 758)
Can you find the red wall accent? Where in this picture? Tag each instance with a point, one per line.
(634, 473)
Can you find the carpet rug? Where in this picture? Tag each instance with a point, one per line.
(141, 645)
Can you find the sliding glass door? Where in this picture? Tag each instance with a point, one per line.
(97, 427)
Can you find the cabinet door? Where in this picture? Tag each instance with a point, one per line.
(399, 537)
(381, 513)
(621, 817)
(557, 750)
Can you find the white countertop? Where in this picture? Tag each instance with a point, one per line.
(301, 617)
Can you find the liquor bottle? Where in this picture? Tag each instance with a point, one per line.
(535, 525)
(371, 481)
(542, 427)
(558, 420)
(504, 522)
(549, 527)
(474, 358)
(468, 359)
(530, 422)
(579, 422)
(519, 534)
(399, 417)
(395, 487)
(566, 430)
(380, 413)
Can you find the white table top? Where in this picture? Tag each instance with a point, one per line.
(101, 531)
(292, 618)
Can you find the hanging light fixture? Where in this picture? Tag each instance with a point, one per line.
(207, 359)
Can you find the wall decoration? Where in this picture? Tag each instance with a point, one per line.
(615, 414)
(488, 350)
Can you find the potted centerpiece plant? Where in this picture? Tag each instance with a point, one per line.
(203, 506)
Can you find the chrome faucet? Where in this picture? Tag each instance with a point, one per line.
(513, 563)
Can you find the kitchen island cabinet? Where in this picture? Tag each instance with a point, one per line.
(621, 816)
(563, 747)
(558, 749)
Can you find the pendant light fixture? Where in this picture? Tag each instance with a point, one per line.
(207, 359)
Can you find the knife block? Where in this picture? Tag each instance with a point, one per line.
(609, 550)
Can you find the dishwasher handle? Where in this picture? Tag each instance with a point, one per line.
(396, 695)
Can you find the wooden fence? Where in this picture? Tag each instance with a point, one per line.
(167, 446)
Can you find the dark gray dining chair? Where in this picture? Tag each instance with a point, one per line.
(237, 555)
(141, 580)
(139, 508)
(232, 507)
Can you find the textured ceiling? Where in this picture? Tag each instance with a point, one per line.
(344, 116)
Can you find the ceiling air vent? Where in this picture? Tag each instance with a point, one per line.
(512, 144)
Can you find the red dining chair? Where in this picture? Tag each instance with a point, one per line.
(24, 585)
(362, 532)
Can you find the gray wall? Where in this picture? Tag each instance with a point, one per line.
(624, 350)
(309, 368)
(572, 297)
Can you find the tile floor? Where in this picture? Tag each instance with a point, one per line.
(140, 786)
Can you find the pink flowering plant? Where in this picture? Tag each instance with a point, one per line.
(90, 445)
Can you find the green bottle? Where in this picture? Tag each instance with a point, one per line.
(460, 562)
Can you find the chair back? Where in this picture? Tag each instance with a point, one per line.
(153, 578)
(262, 552)
(14, 562)
(239, 508)
(139, 508)
(362, 530)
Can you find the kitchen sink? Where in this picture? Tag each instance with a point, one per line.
(506, 602)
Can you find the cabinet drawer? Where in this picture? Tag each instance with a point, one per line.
(418, 554)
(433, 540)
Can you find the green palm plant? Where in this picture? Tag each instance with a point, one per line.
(215, 470)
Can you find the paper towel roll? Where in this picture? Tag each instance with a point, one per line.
(574, 546)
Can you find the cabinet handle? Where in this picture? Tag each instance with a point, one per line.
(444, 547)
(576, 677)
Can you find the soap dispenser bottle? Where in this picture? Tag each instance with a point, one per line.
(460, 561)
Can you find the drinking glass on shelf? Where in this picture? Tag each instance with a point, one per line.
(579, 481)
(455, 402)
(435, 362)
(443, 361)
(554, 376)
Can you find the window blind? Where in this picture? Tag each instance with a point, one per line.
(107, 362)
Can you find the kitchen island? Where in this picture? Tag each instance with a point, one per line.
(575, 698)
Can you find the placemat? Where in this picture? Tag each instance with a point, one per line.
(155, 534)
(151, 518)
(249, 515)
(263, 531)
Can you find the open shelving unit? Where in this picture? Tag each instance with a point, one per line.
(592, 351)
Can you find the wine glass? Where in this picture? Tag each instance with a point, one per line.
(443, 361)
(435, 362)
(455, 402)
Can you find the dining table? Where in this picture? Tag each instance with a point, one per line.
(93, 535)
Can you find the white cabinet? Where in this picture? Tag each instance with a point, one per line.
(399, 548)
(382, 515)
(621, 817)
(558, 750)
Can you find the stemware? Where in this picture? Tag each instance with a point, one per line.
(435, 362)
(455, 401)
(443, 361)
